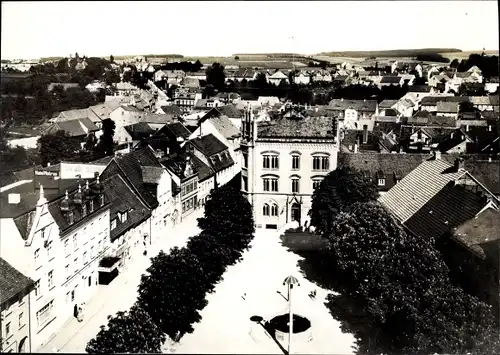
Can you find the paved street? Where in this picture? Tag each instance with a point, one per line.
(119, 295)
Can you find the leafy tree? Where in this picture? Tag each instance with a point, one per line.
(56, 147)
(236, 58)
(216, 76)
(404, 284)
(228, 215)
(208, 91)
(91, 142)
(128, 332)
(260, 81)
(106, 141)
(454, 63)
(339, 190)
(173, 290)
(15, 158)
(111, 59)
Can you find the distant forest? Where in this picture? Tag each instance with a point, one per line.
(392, 53)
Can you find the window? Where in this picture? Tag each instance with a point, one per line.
(381, 182)
(37, 288)
(72, 295)
(270, 161)
(124, 216)
(295, 162)
(66, 247)
(321, 163)
(21, 320)
(7, 330)
(245, 160)
(68, 275)
(44, 314)
(91, 207)
(295, 185)
(265, 209)
(270, 184)
(85, 261)
(51, 279)
(92, 254)
(274, 210)
(49, 250)
(316, 183)
(68, 297)
(113, 224)
(75, 242)
(37, 257)
(99, 245)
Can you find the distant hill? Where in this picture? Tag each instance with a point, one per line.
(390, 53)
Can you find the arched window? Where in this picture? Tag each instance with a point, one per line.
(295, 182)
(265, 209)
(274, 210)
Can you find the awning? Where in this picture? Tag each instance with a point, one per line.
(108, 264)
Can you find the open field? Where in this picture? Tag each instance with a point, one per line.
(465, 55)
(389, 53)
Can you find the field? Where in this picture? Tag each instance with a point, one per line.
(465, 55)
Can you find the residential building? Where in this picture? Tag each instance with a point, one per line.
(15, 300)
(283, 162)
(186, 100)
(354, 114)
(54, 241)
(277, 78)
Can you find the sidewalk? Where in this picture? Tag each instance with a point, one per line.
(120, 294)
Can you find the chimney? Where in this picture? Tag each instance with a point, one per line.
(437, 155)
(489, 159)
(459, 164)
(355, 147)
(96, 175)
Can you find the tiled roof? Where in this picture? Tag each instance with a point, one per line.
(172, 110)
(487, 173)
(176, 163)
(447, 107)
(139, 130)
(390, 79)
(447, 209)
(221, 161)
(12, 282)
(419, 88)
(225, 127)
(387, 103)
(129, 166)
(156, 118)
(208, 145)
(231, 111)
(151, 174)
(124, 199)
(203, 170)
(480, 230)
(360, 105)
(178, 130)
(419, 187)
(392, 165)
(433, 100)
(75, 128)
(72, 115)
(311, 127)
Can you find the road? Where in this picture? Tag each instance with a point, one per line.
(119, 295)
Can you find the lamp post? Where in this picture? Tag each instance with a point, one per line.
(290, 281)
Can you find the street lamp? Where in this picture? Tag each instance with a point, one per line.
(289, 282)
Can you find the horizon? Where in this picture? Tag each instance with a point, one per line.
(27, 35)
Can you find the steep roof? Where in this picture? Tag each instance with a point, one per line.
(75, 128)
(418, 187)
(178, 130)
(157, 118)
(172, 110)
(311, 127)
(124, 199)
(387, 103)
(231, 111)
(139, 130)
(12, 283)
(208, 145)
(225, 127)
(447, 107)
(389, 79)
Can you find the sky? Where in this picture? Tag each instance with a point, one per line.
(32, 30)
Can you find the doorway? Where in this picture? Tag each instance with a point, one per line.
(296, 212)
(22, 345)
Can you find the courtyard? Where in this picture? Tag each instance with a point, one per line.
(254, 287)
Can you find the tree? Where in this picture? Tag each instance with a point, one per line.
(228, 215)
(90, 142)
(208, 91)
(173, 290)
(128, 332)
(404, 284)
(340, 189)
(236, 57)
(15, 158)
(56, 147)
(216, 76)
(106, 142)
(454, 63)
(111, 59)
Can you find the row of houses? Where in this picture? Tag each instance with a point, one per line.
(71, 226)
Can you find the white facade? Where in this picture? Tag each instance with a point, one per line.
(27, 143)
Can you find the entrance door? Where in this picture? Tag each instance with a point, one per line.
(296, 212)
(90, 281)
(22, 345)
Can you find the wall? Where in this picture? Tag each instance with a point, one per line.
(18, 315)
(28, 143)
(284, 173)
(86, 171)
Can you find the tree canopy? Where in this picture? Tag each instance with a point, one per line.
(56, 147)
(128, 332)
(216, 76)
(337, 192)
(106, 143)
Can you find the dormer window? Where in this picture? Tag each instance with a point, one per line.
(113, 224)
(381, 182)
(84, 210)
(71, 217)
(123, 216)
(102, 200)
(91, 206)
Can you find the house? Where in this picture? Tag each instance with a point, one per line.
(125, 89)
(78, 129)
(95, 86)
(173, 110)
(492, 85)
(436, 80)
(302, 78)
(15, 299)
(157, 121)
(454, 143)
(215, 154)
(385, 169)
(199, 75)
(136, 133)
(184, 185)
(277, 78)
(447, 109)
(485, 103)
(354, 114)
(424, 138)
(388, 80)
(57, 240)
(429, 103)
(146, 176)
(268, 100)
(283, 162)
(124, 116)
(443, 201)
(186, 100)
